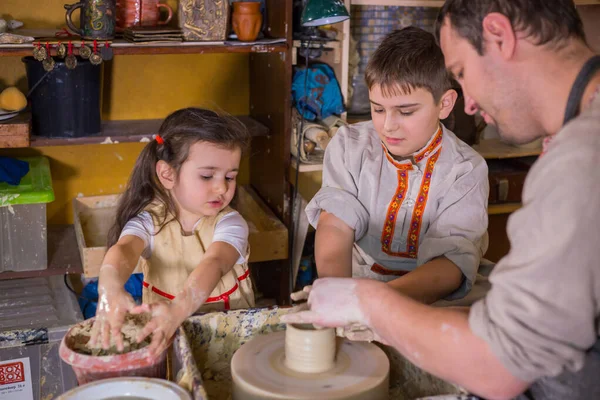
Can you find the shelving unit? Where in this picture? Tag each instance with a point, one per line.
(133, 131)
(432, 3)
(270, 76)
(126, 48)
(497, 209)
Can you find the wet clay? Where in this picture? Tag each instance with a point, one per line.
(131, 327)
(311, 364)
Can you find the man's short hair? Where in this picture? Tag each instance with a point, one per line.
(546, 21)
(408, 59)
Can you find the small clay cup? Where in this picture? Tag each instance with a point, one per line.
(309, 350)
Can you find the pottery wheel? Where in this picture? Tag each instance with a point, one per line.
(258, 370)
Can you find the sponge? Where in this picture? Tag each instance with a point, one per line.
(11, 99)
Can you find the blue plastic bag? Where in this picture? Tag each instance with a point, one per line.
(324, 96)
(88, 301)
(12, 170)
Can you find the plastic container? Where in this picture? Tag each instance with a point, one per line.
(23, 234)
(137, 388)
(89, 368)
(64, 102)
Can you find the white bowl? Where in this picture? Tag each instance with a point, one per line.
(123, 388)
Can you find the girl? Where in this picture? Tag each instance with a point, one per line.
(174, 218)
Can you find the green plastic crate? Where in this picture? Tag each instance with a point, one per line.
(35, 187)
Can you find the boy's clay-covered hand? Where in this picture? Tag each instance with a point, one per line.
(113, 304)
(166, 318)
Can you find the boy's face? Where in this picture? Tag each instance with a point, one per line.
(406, 122)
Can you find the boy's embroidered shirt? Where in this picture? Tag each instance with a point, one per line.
(405, 213)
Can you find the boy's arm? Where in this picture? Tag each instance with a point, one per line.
(431, 281)
(451, 249)
(333, 247)
(336, 210)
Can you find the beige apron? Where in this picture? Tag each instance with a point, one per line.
(175, 256)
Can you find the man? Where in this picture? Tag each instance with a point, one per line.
(525, 66)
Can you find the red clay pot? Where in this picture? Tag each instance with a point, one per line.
(246, 20)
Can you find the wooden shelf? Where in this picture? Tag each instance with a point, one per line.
(432, 3)
(121, 47)
(495, 209)
(63, 255)
(304, 167)
(404, 3)
(495, 149)
(132, 131)
(489, 149)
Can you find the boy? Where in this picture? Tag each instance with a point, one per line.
(403, 199)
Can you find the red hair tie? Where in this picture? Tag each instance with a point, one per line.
(159, 140)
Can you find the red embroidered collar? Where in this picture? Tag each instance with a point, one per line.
(424, 153)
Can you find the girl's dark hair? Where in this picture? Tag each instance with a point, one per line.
(179, 131)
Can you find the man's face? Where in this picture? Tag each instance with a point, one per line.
(491, 86)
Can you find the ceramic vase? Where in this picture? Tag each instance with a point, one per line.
(246, 20)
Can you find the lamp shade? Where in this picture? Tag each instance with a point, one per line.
(324, 12)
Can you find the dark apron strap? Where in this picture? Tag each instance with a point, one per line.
(581, 82)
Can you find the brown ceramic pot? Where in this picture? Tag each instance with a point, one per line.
(246, 20)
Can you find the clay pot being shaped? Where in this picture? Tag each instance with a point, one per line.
(246, 20)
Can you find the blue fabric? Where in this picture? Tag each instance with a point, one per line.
(324, 95)
(12, 170)
(88, 301)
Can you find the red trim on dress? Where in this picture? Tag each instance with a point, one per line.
(224, 296)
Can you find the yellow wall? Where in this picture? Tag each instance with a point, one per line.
(134, 87)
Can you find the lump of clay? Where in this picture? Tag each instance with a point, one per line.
(131, 327)
(11, 99)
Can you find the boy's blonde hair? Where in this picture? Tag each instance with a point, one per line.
(408, 59)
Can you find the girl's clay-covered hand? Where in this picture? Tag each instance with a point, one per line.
(166, 318)
(113, 304)
(332, 302)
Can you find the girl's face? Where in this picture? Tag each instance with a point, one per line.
(207, 180)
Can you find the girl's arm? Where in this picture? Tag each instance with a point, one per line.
(333, 247)
(219, 259)
(430, 282)
(114, 302)
(124, 257)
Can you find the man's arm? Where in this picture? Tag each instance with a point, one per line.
(430, 282)
(439, 341)
(333, 247)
